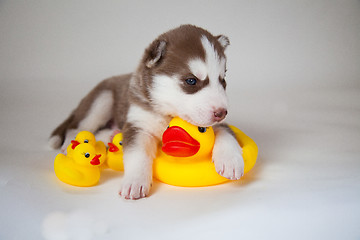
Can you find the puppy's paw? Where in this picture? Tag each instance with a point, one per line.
(232, 169)
(135, 188)
(55, 142)
(70, 135)
(228, 161)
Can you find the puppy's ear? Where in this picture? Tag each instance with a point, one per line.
(223, 40)
(155, 52)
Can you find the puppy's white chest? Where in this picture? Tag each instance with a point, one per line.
(151, 122)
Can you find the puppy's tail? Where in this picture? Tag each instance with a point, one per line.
(57, 137)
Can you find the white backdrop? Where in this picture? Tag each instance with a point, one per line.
(293, 85)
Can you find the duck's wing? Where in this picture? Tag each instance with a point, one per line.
(64, 170)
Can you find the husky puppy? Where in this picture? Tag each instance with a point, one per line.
(182, 73)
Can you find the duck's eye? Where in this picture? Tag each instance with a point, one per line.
(202, 129)
(87, 155)
(191, 81)
(86, 141)
(120, 143)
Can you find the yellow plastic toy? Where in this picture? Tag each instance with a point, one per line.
(115, 153)
(89, 138)
(81, 168)
(185, 157)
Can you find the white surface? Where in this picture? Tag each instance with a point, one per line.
(293, 77)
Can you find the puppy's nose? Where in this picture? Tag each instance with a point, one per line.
(220, 114)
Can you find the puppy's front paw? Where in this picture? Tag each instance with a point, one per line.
(231, 169)
(229, 162)
(135, 188)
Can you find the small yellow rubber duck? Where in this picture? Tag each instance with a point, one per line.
(81, 168)
(115, 153)
(185, 158)
(89, 138)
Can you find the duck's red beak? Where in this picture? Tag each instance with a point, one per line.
(95, 160)
(74, 144)
(112, 147)
(178, 143)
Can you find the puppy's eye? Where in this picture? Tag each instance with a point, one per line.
(191, 81)
(87, 155)
(86, 141)
(202, 129)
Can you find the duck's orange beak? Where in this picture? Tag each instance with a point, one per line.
(178, 143)
(95, 160)
(112, 147)
(74, 144)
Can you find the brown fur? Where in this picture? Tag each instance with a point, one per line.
(224, 126)
(130, 133)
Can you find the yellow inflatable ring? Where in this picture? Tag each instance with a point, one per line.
(182, 172)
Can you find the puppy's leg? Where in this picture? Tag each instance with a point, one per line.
(227, 153)
(91, 114)
(139, 151)
(105, 135)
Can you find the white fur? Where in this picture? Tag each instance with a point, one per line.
(99, 113)
(227, 155)
(198, 68)
(151, 122)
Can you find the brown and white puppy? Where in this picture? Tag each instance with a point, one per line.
(182, 73)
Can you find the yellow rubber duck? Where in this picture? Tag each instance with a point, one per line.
(89, 138)
(115, 153)
(81, 168)
(185, 156)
